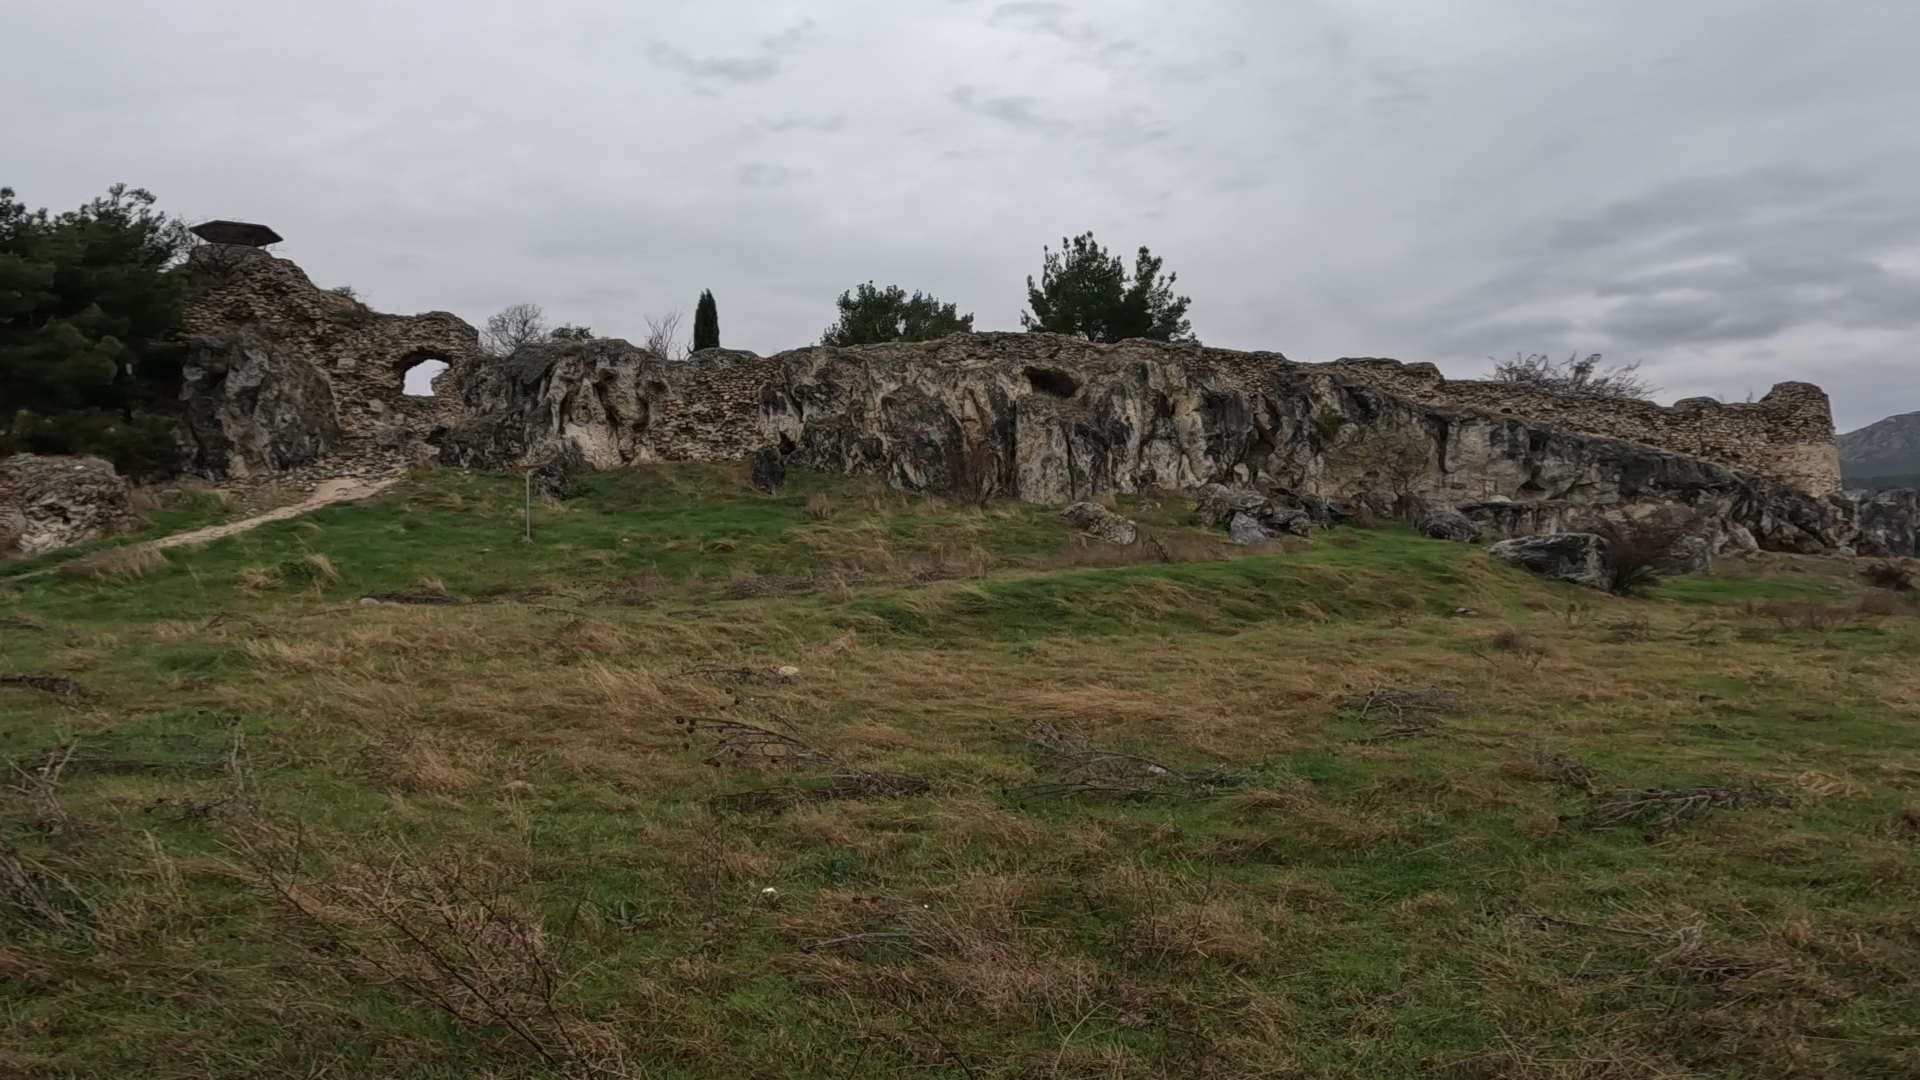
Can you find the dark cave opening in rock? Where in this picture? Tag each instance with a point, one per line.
(1050, 381)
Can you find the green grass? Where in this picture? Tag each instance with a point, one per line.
(283, 804)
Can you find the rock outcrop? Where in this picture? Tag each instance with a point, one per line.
(264, 338)
(1577, 557)
(47, 503)
(1446, 523)
(252, 409)
(1055, 420)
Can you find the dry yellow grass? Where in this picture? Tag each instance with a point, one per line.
(116, 564)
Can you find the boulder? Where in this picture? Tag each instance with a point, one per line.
(1096, 520)
(1576, 557)
(1217, 504)
(1246, 529)
(47, 503)
(1444, 522)
(252, 409)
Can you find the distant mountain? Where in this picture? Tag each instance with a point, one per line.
(1881, 452)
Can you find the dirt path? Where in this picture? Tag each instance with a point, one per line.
(328, 493)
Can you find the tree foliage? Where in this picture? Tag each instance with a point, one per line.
(706, 323)
(1087, 293)
(871, 316)
(1574, 375)
(89, 316)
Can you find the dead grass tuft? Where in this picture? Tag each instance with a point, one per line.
(420, 763)
(1186, 933)
(117, 564)
(819, 507)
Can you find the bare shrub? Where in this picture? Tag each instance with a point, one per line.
(663, 336)
(129, 563)
(441, 927)
(1574, 375)
(819, 507)
(1637, 548)
(513, 328)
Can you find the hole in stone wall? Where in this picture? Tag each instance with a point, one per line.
(418, 381)
(1048, 381)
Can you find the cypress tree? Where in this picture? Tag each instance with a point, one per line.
(706, 323)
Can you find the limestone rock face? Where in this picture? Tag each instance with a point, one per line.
(1053, 420)
(252, 409)
(1576, 557)
(47, 503)
(1888, 523)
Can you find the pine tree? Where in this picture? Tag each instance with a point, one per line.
(870, 315)
(89, 363)
(1084, 292)
(706, 323)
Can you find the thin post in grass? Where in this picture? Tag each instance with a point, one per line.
(526, 471)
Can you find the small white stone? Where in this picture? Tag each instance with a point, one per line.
(368, 601)
(789, 672)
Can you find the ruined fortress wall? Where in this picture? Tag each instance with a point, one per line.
(1787, 435)
(717, 404)
(363, 354)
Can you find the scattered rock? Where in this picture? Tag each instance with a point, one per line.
(1466, 613)
(1096, 520)
(368, 601)
(788, 672)
(1218, 504)
(1576, 557)
(1245, 529)
(47, 503)
(1443, 522)
(769, 470)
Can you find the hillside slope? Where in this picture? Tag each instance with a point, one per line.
(1889, 448)
(847, 783)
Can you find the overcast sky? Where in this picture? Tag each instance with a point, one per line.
(1728, 190)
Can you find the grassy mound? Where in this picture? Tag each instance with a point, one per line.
(847, 783)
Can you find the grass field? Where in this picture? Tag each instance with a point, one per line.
(1023, 807)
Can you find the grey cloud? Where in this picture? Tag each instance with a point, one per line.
(766, 63)
(1017, 110)
(766, 174)
(1396, 177)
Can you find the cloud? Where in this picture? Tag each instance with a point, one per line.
(1015, 110)
(767, 62)
(1716, 187)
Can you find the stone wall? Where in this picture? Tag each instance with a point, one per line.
(1787, 435)
(362, 355)
(1053, 420)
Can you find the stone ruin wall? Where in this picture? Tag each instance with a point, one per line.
(716, 407)
(363, 354)
(1787, 435)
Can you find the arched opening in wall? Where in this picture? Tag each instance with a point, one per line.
(418, 381)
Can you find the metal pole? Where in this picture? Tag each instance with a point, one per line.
(527, 536)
